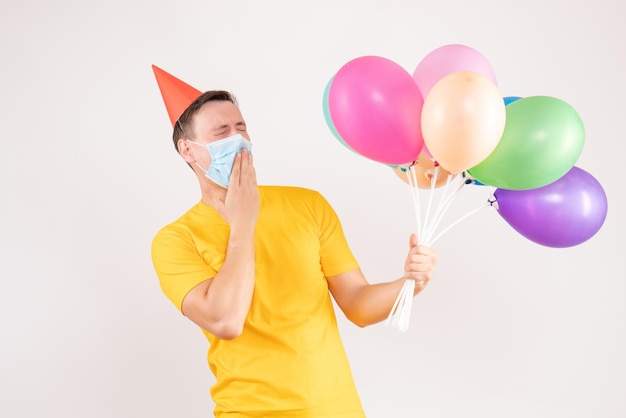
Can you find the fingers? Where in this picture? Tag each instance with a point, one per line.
(235, 172)
(420, 284)
(248, 170)
(420, 264)
(243, 171)
(421, 279)
(425, 251)
(419, 274)
(412, 240)
(241, 204)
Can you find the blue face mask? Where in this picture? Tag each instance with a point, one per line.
(223, 153)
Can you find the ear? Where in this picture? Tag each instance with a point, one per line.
(185, 151)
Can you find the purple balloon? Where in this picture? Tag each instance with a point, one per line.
(564, 213)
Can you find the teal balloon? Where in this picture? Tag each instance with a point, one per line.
(329, 120)
(542, 140)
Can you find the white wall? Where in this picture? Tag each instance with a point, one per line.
(88, 174)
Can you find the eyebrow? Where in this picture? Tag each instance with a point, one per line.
(224, 126)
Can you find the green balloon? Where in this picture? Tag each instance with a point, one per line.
(543, 137)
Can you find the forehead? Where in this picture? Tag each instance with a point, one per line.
(217, 113)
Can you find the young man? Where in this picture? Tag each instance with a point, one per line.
(255, 266)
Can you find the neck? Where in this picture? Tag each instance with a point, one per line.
(211, 192)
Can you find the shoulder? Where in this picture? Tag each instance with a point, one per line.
(291, 192)
(292, 196)
(185, 226)
(288, 190)
(297, 201)
(170, 235)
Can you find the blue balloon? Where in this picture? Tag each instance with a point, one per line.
(471, 180)
(510, 99)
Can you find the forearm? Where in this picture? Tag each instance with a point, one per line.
(227, 300)
(373, 302)
(220, 305)
(366, 304)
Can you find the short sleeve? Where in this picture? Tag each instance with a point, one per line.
(335, 254)
(178, 264)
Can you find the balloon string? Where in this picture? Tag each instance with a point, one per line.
(433, 181)
(459, 220)
(428, 229)
(399, 315)
(439, 214)
(441, 211)
(446, 189)
(412, 179)
(405, 314)
(401, 310)
(432, 223)
(394, 307)
(416, 197)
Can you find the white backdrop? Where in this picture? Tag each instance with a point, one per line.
(88, 174)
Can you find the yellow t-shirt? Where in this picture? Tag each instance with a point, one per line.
(289, 361)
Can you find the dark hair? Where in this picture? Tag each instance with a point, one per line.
(183, 128)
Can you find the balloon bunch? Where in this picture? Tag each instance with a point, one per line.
(448, 122)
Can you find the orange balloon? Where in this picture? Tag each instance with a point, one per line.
(463, 120)
(425, 170)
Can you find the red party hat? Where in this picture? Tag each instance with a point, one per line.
(177, 94)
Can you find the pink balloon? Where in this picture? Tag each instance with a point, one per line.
(376, 106)
(449, 59)
(425, 150)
